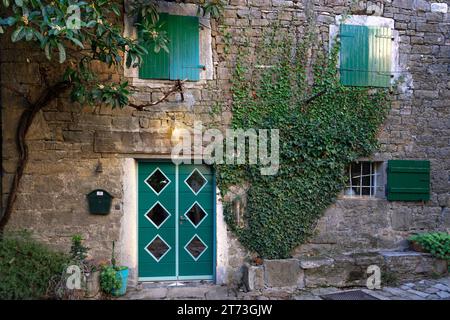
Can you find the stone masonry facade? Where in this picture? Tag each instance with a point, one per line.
(68, 141)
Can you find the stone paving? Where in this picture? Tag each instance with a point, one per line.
(429, 289)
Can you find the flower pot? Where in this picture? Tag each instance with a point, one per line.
(122, 275)
(92, 284)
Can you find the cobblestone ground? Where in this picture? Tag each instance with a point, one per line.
(430, 289)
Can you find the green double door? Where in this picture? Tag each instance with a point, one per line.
(175, 222)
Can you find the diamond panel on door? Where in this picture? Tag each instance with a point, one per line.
(196, 247)
(196, 214)
(157, 215)
(196, 181)
(157, 248)
(157, 181)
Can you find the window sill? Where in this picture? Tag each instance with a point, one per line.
(362, 198)
(158, 84)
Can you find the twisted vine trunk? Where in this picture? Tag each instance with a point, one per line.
(25, 122)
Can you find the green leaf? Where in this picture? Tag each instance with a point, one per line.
(91, 24)
(19, 3)
(116, 10)
(62, 53)
(77, 42)
(9, 21)
(39, 36)
(18, 34)
(28, 34)
(47, 51)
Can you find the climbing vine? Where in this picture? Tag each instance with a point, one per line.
(324, 126)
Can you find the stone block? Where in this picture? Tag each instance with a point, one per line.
(421, 5)
(283, 273)
(187, 292)
(409, 265)
(132, 142)
(443, 295)
(404, 4)
(376, 10)
(315, 262)
(220, 293)
(253, 277)
(39, 129)
(401, 220)
(439, 7)
(326, 276)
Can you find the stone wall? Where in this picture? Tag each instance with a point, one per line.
(68, 141)
(346, 270)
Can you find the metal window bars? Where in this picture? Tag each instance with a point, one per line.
(360, 174)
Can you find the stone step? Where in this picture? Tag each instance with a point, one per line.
(343, 270)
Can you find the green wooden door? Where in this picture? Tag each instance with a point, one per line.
(196, 222)
(175, 221)
(156, 220)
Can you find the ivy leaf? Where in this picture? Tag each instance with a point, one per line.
(19, 3)
(116, 10)
(62, 53)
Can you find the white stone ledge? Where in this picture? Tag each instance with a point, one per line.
(439, 7)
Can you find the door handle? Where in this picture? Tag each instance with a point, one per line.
(182, 218)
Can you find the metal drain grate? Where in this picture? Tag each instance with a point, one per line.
(349, 295)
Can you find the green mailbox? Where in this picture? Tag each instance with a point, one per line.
(100, 202)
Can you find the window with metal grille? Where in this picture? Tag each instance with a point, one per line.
(364, 179)
(182, 62)
(365, 55)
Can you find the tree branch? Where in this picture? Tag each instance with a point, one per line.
(315, 96)
(25, 122)
(178, 87)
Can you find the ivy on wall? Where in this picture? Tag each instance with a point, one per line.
(323, 127)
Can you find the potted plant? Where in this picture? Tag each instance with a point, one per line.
(92, 274)
(113, 278)
(90, 269)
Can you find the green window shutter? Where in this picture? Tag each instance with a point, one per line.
(365, 56)
(183, 60)
(184, 48)
(408, 180)
(156, 65)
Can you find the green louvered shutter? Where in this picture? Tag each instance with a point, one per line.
(408, 180)
(184, 48)
(365, 57)
(156, 65)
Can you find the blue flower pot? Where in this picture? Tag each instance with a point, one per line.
(122, 275)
